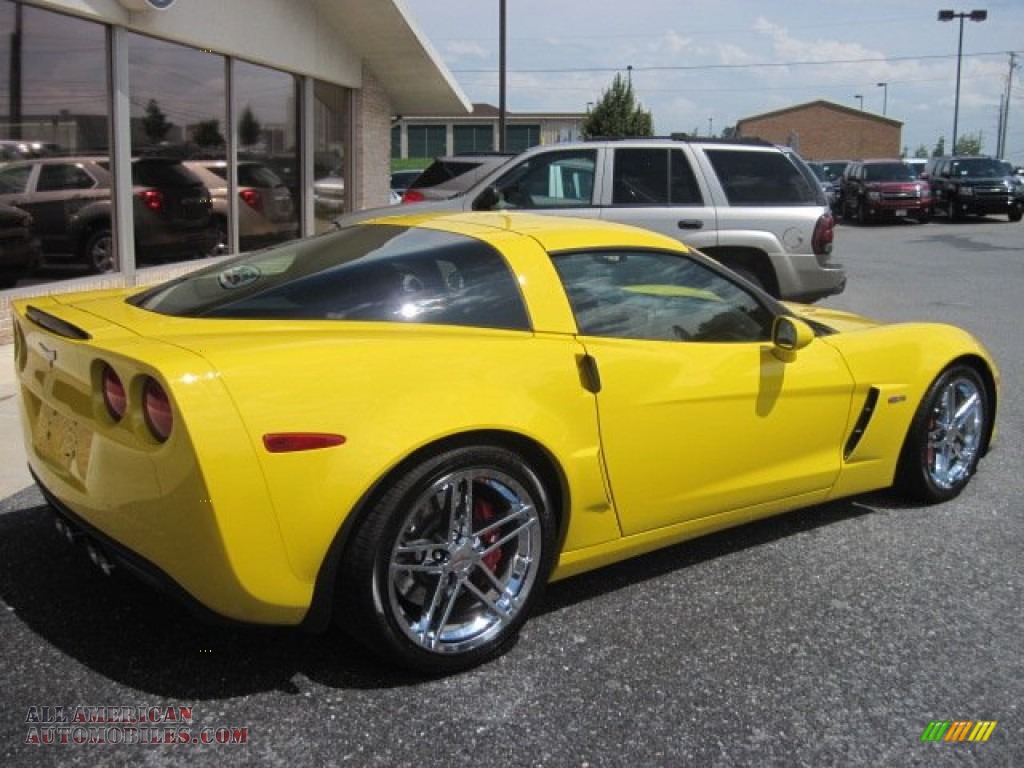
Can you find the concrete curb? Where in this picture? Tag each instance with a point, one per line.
(14, 475)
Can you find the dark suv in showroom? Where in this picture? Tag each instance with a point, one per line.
(883, 189)
(70, 201)
(974, 185)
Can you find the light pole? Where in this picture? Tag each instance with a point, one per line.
(885, 96)
(949, 16)
(860, 98)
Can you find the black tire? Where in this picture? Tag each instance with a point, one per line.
(439, 589)
(940, 454)
(1015, 213)
(924, 217)
(98, 251)
(219, 227)
(862, 214)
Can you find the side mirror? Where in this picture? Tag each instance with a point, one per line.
(487, 200)
(789, 335)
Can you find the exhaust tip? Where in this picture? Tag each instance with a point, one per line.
(99, 560)
(65, 530)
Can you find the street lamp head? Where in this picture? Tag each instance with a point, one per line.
(946, 15)
(979, 15)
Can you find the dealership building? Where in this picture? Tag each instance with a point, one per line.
(306, 90)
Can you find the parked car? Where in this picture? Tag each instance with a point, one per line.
(753, 206)
(970, 185)
(329, 194)
(70, 201)
(884, 189)
(829, 186)
(19, 246)
(410, 426)
(452, 175)
(400, 180)
(266, 213)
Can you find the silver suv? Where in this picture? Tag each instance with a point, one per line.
(755, 207)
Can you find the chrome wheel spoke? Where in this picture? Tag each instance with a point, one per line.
(465, 559)
(503, 613)
(955, 433)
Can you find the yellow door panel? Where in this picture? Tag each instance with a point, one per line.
(695, 429)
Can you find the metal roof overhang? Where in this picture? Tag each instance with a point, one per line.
(385, 35)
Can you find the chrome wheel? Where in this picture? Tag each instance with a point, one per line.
(955, 433)
(947, 437)
(465, 559)
(99, 252)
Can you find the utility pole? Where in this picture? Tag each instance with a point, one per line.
(1004, 111)
(501, 76)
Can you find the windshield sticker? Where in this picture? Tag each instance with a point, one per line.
(237, 277)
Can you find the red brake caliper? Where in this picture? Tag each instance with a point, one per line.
(483, 513)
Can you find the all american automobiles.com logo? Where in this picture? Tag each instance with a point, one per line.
(80, 725)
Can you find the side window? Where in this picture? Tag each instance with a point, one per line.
(683, 187)
(549, 180)
(14, 180)
(641, 177)
(760, 178)
(658, 296)
(57, 176)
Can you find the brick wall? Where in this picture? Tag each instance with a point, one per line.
(824, 132)
(371, 144)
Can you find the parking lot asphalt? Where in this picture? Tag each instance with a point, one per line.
(831, 636)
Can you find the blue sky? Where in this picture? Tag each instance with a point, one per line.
(701, 65)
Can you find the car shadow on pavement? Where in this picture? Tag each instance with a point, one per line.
(135, 636)
(690, 553)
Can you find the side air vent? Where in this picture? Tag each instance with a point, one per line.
(862, 422)
(55, 324)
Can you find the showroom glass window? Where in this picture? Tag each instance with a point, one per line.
(330, 127)
(54, 101)
(178, 113)
(268, 146)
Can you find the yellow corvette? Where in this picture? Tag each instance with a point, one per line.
(412, 424)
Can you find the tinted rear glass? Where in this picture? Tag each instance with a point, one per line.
(763, 178)
(162, 173)
(441, 171)
(378, 273)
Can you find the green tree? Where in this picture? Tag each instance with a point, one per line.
(921, 151)
(249, 128)
(940, 147)
(155, 123)
(208, 134)
(618, 114)
(968, 144)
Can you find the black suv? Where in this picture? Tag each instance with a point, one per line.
(70, 200)
(965, 185)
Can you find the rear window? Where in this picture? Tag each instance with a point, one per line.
(381, 273)
(441, 171)
(763, 178)
(255, 175)
(162, 173)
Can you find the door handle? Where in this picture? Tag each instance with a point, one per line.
(691, 224)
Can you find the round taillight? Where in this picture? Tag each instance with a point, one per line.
(114, 396)
(252, 198)
(153, 199)
(156, 408)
